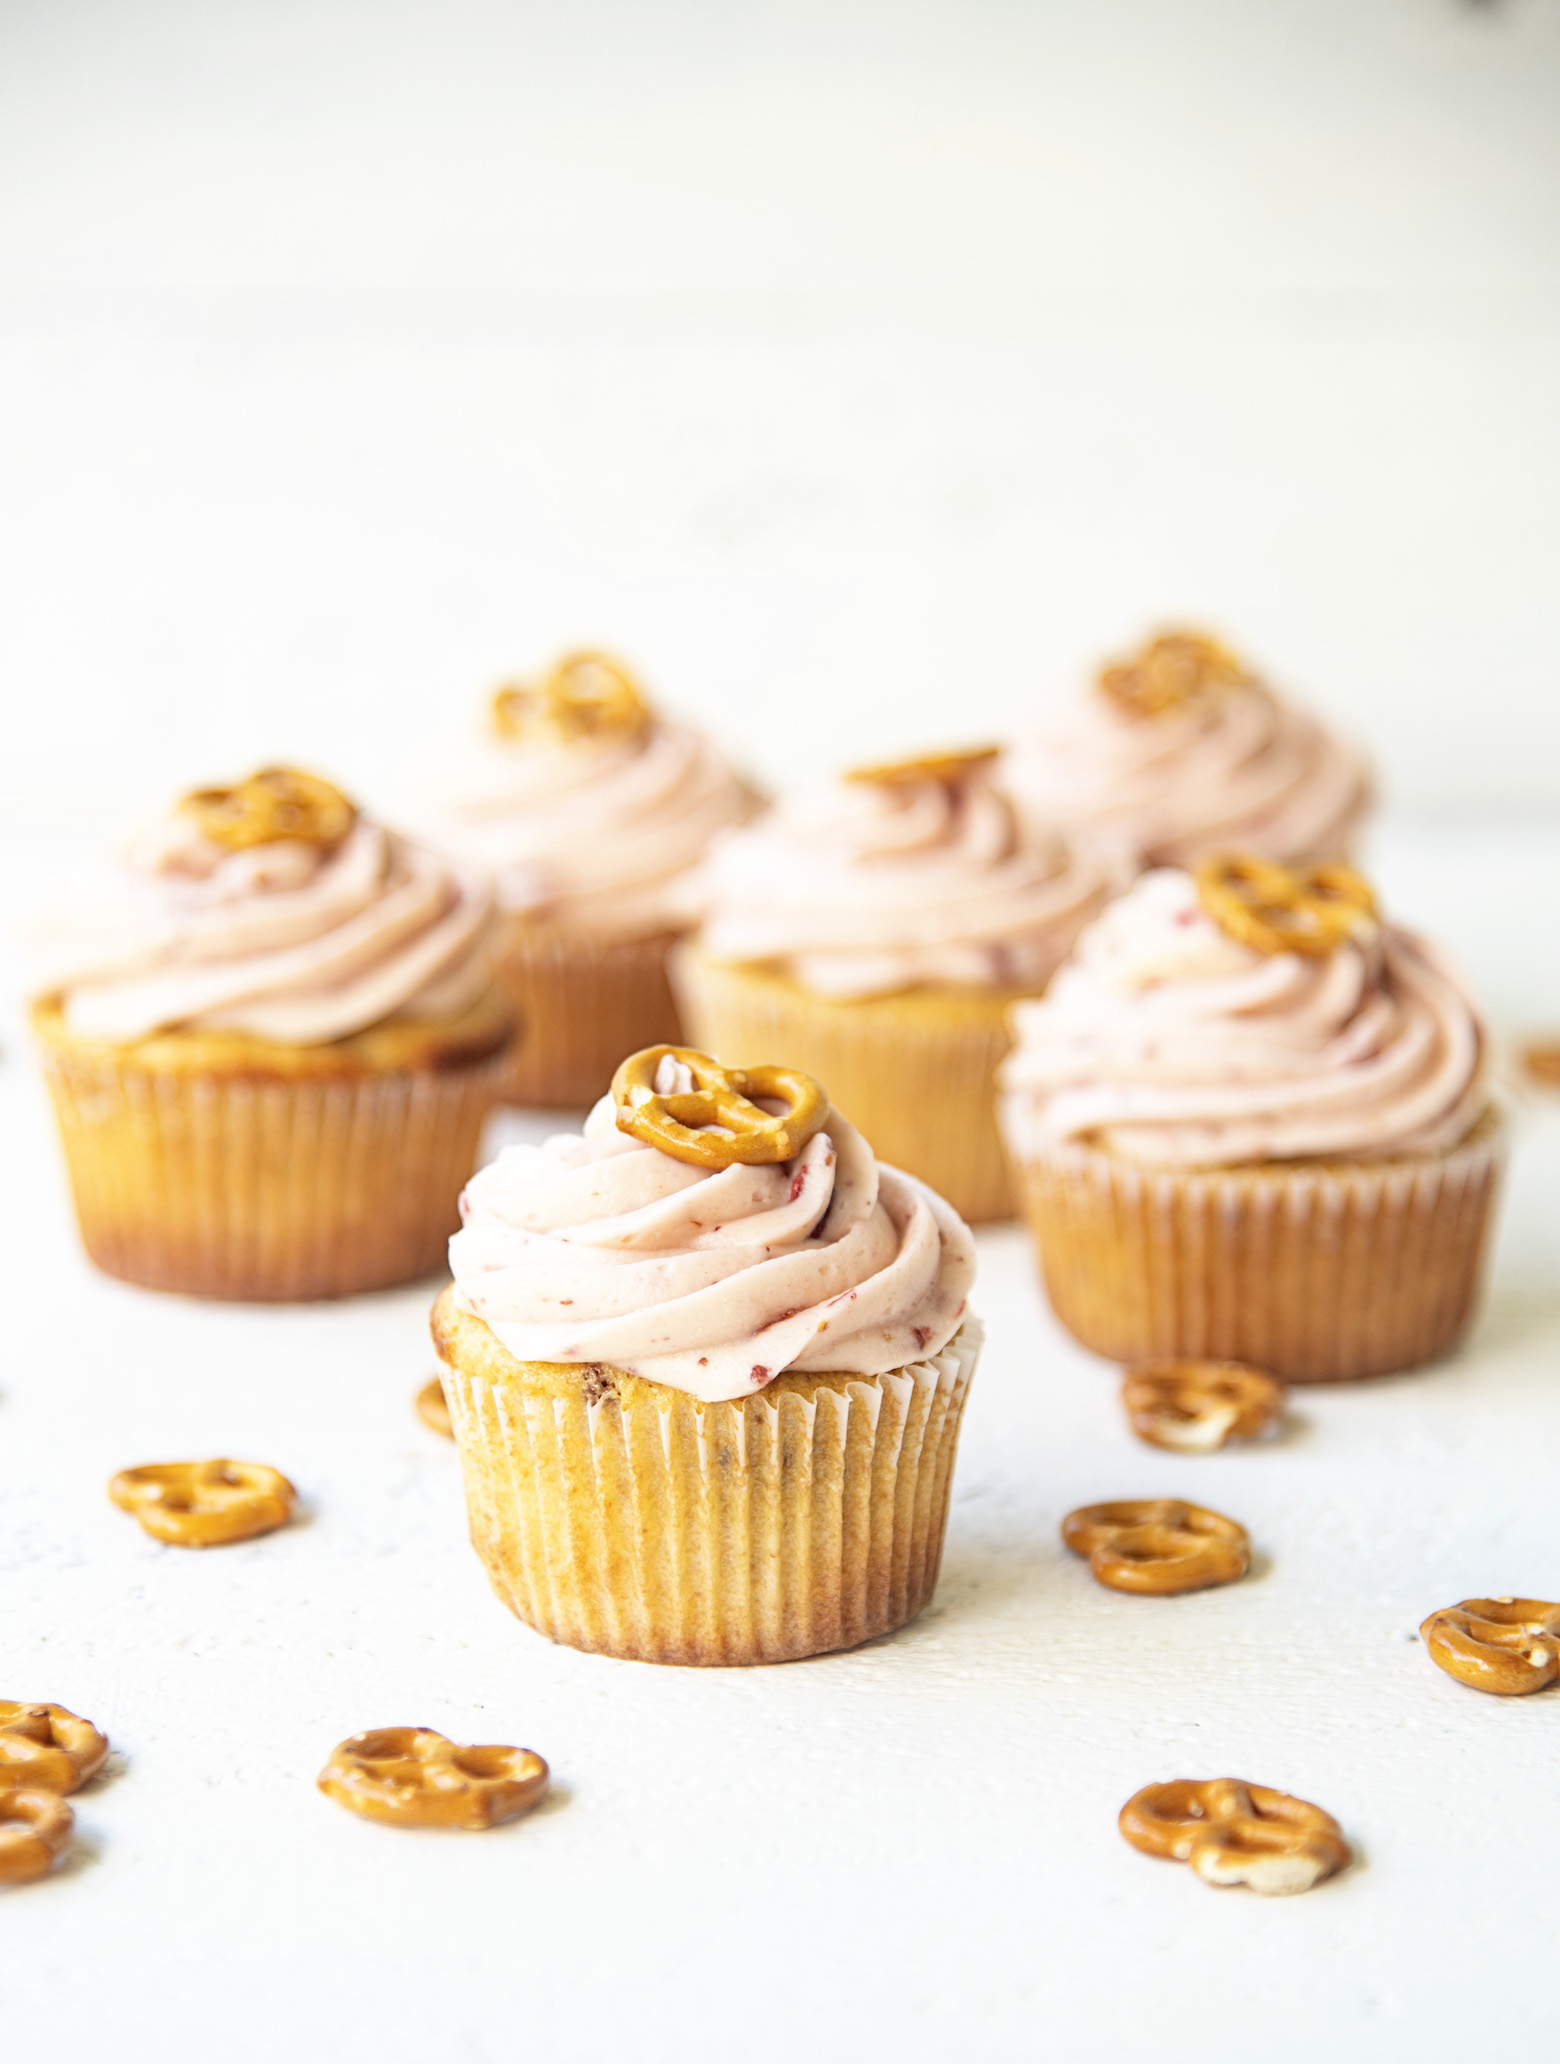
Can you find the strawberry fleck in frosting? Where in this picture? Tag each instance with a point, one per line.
(1168, 1042)
(593, 1248)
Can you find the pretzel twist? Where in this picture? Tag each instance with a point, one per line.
(586, 695)
(1277, 909)
(415, 1777)
(203, 1504)
(1194, 1407)
(35, 1831)
(433, 1408)
(1234, 1833)
(277, 803)
(1176, 673)
(717, 1121)
(1157, 1546)
(44, 1748)
(1505, 1645)
(945, 767)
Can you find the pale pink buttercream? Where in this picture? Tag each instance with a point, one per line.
(284, 941)
(595, 1248)
(1244, 772)
(865, 888)
(1167, 1041)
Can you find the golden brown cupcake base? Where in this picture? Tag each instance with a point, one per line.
(627, 1518)
(914, 1073)
(583, 1004)
(231, 1167)
(1317, 1271)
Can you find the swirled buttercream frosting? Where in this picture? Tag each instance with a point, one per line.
(1167, 1041)
(594, 1248)
(1181, 752)
(871, 886)
(288, 939)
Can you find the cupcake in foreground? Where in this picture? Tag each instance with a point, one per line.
(876, 932)
(271, 1045)
(706, 1363)
(1252, 1122)
(1181, 752)
(588, 810)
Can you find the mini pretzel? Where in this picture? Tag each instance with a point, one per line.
(1542, 1062)
(717, 1122)
(1194, 1407)
(202, 1504)
(46, 1749)
(1158, 1545)
(35, 1830)
(1233, 1833)
(276, 803)
(586, 695)
(433, 1408)
(413, 1777)
(1282, 909)
(1508, 1645)
(947, 767)
(1175, 672)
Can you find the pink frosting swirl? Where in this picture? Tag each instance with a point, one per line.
(595, 1248)
(866, 888)
(1166, 1041)
(284, 941)
(1242, 772)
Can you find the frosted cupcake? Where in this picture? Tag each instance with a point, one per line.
(876, 932)
(588, 811)
(271, 1043)
(1181, 752)
(1252, 1122)
(706, 1363)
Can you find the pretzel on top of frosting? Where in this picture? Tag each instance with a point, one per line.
(587, 695)
(693, 1108)
(276, 803)
(1277, 909)
(947, 767)
(1174, 673)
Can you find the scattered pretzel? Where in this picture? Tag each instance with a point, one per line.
(1233, 1833)
(947, 767)
(202, 1504)
(413, 1777)
(1284, 909)
(1158, 1546)
(1542, 1062)
(35, 1831)
(276, 803)
(586, 695)
(433, 1408)
(715, 1122)
(1507, 1645)
(1194, 1407)
(46, 1749)
(1175, 673)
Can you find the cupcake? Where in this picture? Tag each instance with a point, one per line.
(271, 1043)
(1252, 1122)
(876, 932)
(588, 811)
(706, 1363)
(1181, 752)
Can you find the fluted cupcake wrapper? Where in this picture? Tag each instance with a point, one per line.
(1317, 1271)
(915, 1074)
(269, 1189)
(582, 1004)
(647, 1524)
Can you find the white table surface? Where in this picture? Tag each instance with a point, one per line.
(908, 1851)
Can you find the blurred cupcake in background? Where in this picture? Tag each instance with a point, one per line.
(1181, 752)
(271, 1042)
(588, 811)
(875, 934)
(1252, 1122)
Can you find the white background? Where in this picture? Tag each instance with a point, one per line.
(864, 372)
